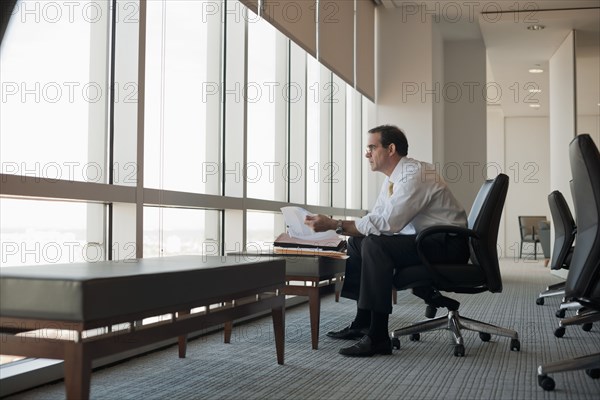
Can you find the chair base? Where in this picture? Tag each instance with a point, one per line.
(591, 363)
(558, 289)
(455, 324)
(584, 317)
(556, 286)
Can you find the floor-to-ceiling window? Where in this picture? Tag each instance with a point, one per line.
(237, 120)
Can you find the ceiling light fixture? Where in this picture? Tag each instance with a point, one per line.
(536, 27)
(534, 106)
(536, 69)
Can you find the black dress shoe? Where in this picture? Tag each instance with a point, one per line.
(365, 347)
(348, 333)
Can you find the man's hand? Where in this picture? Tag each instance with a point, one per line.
(320, 223)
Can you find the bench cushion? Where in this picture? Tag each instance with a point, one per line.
(300, 266)
(85, 292)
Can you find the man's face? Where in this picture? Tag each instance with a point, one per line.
(375, 152)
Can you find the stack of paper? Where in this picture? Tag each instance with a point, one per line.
(310, 252)
(301, 239)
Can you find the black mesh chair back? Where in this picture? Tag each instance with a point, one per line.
(484, 220)
(564, 230)
(583, 281)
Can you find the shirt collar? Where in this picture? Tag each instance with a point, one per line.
(402, 169)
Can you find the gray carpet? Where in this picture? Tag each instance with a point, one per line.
(247, 368)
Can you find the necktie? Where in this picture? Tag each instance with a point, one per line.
(390, 189)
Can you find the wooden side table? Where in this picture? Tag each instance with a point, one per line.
(308, 275)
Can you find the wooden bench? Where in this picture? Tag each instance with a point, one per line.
(83, 311)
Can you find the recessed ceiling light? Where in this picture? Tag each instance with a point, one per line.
(535, 90)
(535, 27)
(537, 69)
(534, 106)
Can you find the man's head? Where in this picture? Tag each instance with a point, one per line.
(386, 145)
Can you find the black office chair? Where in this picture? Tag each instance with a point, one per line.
(528, 228)
(583, 281)
(481, 274)
(564, 236)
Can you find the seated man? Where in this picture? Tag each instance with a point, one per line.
(412, 197)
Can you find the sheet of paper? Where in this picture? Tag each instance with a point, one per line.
(294, 219)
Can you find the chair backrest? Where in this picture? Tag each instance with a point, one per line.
(583, 280)
(528, 227)
(564, 229)
(484, 220)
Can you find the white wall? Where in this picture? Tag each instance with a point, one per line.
(589, 124)
(587, 60)
(495, 157)
(438, 106)
(527, 163)
(433, 90)
(562, 116)
(404, 73)
(465, 124)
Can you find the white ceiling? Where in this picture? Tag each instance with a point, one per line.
(512, 49)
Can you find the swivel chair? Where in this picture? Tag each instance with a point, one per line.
(583, 281)
(564, 236)
(481, 274)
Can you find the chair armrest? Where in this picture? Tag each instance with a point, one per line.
(437, 229)
(459, 230)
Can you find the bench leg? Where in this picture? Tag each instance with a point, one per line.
(314, 304)
(78, 372)
(278, 315)
(227, 329)
(183, 339)
(182, 345)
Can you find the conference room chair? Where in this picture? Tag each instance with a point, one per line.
(583, 281)
(564, 236)
(529, 230)
(480, 274)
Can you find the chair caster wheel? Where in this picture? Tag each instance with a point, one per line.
(396, 343)
(415, 337)
(546, 382)
(593, 373)
(559, 332)
(459, 350)
(515, 345)
(484, 336)
(539, 301)
(560, 313)
(587, 326)
(430, 312)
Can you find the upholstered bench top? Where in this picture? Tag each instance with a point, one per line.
(87, 292)
(309, 266)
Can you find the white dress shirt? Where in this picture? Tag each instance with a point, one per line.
(420, 199)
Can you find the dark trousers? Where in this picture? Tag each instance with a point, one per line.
(373, 260)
